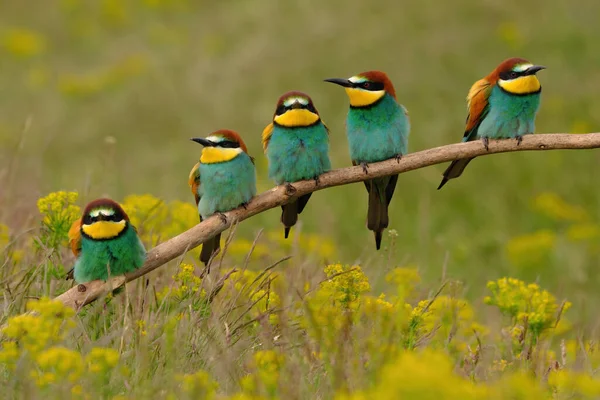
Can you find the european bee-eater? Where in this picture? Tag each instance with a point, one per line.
(377, 127)
(104, 242)
(297, 146)
(502, 105)
(223, 179)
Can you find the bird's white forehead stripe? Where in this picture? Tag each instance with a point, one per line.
(357, 79)
(291, 100)
(215, 138)
(522, 67)
(106, 211)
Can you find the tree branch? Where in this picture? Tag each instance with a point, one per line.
(81, 295)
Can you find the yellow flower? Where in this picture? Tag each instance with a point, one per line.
(583, 232)
(188, 285)
(526, 304)
(59, 363)
(23, 42)
(46, 325)
(102, 360)
(531, 249)
(553, 206)
(199, 385)
(59, 212)
(405, 279)
(570, 384)
(423, 375)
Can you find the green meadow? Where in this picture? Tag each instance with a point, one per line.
(100, 98)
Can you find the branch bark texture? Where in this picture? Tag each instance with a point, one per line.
(81, 295)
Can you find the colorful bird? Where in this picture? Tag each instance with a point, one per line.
(297, 146)
(502, 105)
(223, 179)
(104, 242)
(377, 127)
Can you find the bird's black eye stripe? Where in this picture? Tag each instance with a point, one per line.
(281, 110)
(87, 220)
(508, 75)
(371, 86)
(229, 144)
(311, 108)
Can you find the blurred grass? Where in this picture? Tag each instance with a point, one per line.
(101, 97)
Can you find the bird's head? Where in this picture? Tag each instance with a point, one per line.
(220, 146)
(295, 109)
(517, 76)
(367, 88)
(103, 219)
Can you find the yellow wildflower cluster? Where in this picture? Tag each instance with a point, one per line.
(187, 285)
(444, 320)
(555, 207)
(45, 325)
(345, 284)
(526, 304)
(531, 250)
(59, 211)
(92, 83)
(198, 385)
(309, 243)
(156, 220)
(258, 289)
(23, 43)
(264, 379)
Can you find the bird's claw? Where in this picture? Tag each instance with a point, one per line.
(290, 190)
(398, 157)
(486, 143)
(519, 139)
(365, 167)
(222, 217)
(317, 180)
(245, 205)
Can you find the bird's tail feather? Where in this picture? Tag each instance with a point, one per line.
(290, 211)
(210, 247)
(455, 170)
(380, 195)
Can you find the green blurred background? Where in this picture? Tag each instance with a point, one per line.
(102, 97)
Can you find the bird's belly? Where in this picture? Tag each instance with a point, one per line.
(374, 146)
(511, 119)
(99, 258)
(293, 158)
(224, 187)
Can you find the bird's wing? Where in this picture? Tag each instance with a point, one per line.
(266, 136)
(194, 182)
(75, 237)
(478, 105)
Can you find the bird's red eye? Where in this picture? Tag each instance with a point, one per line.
(366, 85)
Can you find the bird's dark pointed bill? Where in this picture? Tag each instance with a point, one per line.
(203, 142)
(532, 70)
(339, 81)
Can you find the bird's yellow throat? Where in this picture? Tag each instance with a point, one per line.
(104, 229)
(363, 98)
(522, 85)
(296, 117)
(212, 155)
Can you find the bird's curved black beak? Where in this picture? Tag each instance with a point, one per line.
(339, 81)
(533, 69)
(296, 105)
(203, 142)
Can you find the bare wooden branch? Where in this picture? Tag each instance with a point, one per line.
(81, 295)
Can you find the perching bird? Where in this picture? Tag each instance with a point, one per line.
(297, 146)
(377, 127)
(502, 105)
(104, 242)
(223, 179)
